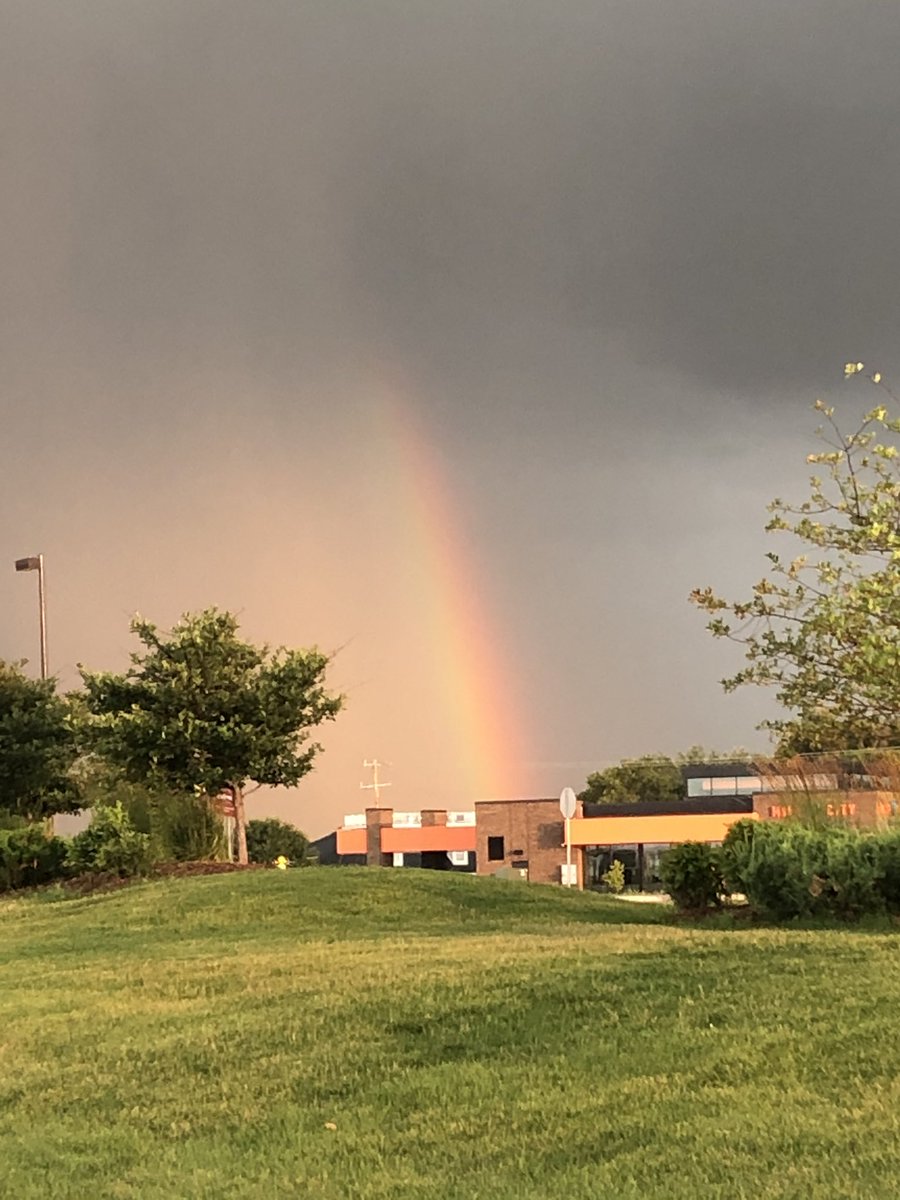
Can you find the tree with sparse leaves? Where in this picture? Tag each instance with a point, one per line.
(37, 748)
(822, 627)
(201, 711)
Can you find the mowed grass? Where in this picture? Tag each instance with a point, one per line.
(405, 1034)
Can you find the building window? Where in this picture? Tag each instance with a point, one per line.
(495, 849)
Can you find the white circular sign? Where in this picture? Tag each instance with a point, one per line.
(567, 803)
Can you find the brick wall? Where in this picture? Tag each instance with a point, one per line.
(532, 831)
(866, 809)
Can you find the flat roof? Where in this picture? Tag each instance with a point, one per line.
(697, 805)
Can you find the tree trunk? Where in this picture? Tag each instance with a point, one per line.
(240, 824)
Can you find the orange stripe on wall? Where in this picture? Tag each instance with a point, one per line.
(351, 841)
(430, 837)
(626, 831)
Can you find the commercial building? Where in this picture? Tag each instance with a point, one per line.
(432, 838)
(526, 838)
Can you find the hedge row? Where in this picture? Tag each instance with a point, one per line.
(787, 870)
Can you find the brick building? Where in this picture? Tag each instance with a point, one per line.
(525, 839)
(520, 837)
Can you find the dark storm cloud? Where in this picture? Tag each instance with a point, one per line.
(711, 185)
(714, 184)
(596, 243)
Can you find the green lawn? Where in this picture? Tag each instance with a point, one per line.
(465, 1037)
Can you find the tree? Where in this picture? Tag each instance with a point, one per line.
(37, 748)
(823, 627)
(200, 711)
(268, 839)
(653, 777)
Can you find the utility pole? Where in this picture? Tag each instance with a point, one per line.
(376, 785)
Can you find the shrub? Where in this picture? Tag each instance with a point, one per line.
(268, 839)
(110, 844)
(614, 878)
(849, 874)
(788, 870)
(735, 853)
(186, 828)
(889, 869)
(691, 873)
(29, 858)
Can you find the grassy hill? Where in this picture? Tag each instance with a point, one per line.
(372, 1034)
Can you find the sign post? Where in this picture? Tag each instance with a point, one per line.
(567, 804)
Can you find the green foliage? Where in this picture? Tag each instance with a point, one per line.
(37, 748)
(823, 626)
(653, 777)
(186, 829)
(181, 828)
(110, 844)
(29, 858)
(787, 869)
(889, 864)
(614, 878)
(200, 710)
(269, 838)
(692, 875)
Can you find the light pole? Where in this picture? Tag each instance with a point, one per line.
(36, 563)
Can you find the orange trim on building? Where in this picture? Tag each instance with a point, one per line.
(403, 840)
(351, 841)
(629, 831)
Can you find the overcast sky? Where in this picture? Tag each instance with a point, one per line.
(610, 253)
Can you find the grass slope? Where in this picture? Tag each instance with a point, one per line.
(466, 1038)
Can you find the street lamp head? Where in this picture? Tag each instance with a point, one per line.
(28, 564)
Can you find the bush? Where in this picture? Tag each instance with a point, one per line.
(788, 870)
(614, 878)
(28, 858)
(889, 869)
(735, 853)
(691, 873)
(849, 873)
(268, 839)
(185, 828)
(110, 844)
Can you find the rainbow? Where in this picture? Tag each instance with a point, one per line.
(484, 729)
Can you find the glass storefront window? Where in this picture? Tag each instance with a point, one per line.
(652, 858)
(599, 859)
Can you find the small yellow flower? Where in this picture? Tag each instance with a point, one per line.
(330, 1125)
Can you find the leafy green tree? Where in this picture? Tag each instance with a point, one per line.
(269, 838)
(200, 711)
(37, 748)
(823, 627)
(654, 777)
